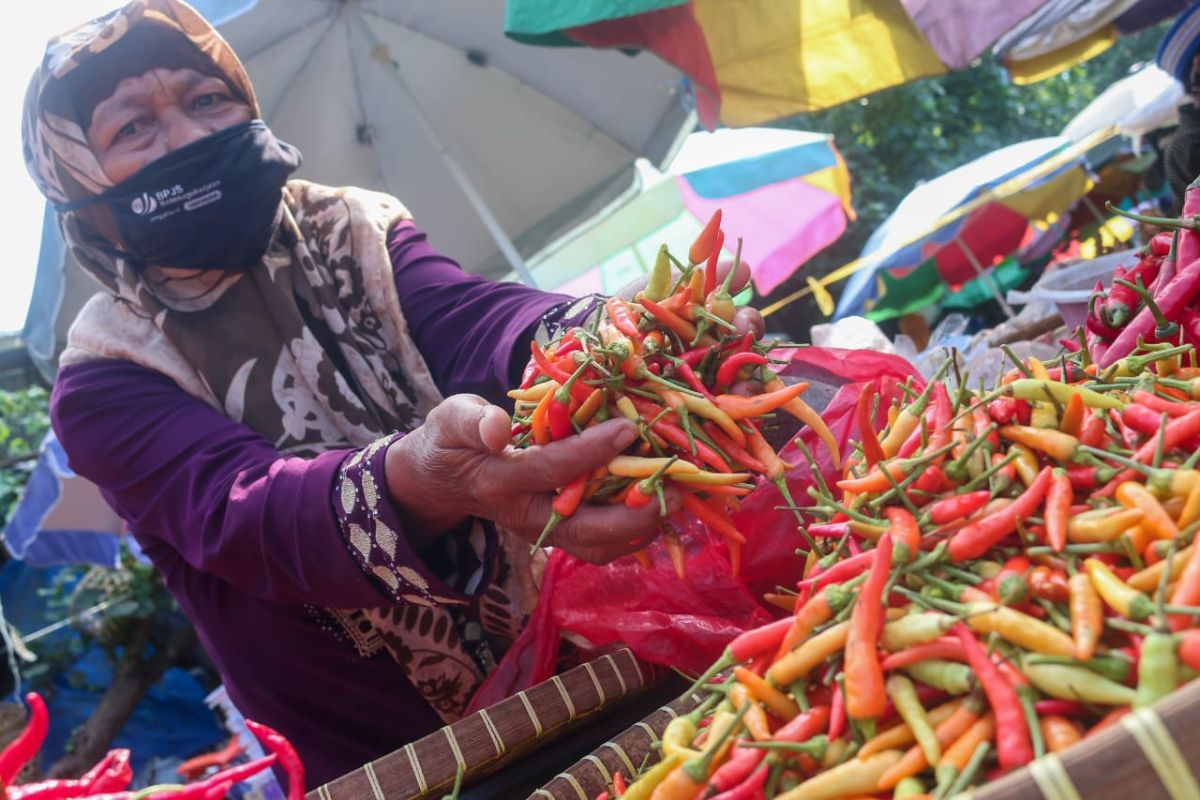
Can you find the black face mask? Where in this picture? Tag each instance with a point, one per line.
(212, 204)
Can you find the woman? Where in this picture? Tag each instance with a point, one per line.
(288, 395)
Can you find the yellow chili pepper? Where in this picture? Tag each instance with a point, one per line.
(858, 776)
(1026, 463)
(588, 408)
(704, 408)
(677, 737)
(533, 393)
(637, 467)
(809, 655)
(1120, 596)
(1020, 629)
(1035, 390)
(704, 478)
(904, 698)
(627, 409)
(643, 787)
(1102, 525)
(1191, 507)
(1037, 369)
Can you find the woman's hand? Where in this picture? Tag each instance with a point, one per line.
(459, 464)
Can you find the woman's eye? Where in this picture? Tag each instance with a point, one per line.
(125, 131)
(206, 100)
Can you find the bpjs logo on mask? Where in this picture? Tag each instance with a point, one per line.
(147, 203)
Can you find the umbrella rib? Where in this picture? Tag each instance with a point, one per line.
(362, 107)
(291, 82)
(283, 37)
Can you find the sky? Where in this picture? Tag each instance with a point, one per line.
(22, 41)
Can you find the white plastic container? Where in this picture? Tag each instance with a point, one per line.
(1069, 288)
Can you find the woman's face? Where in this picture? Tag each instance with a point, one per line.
(157, 112)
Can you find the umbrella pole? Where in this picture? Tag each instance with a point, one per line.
(380, 55)
(986, 277)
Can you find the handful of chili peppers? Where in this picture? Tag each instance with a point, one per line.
(998, 575)
(111, 776)
(667, 361)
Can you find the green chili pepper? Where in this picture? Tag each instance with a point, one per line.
(1158, 669)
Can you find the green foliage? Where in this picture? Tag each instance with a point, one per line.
(899, 137)
(24, 420)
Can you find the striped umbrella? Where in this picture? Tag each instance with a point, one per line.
(749, 61)
(785, 193)
(961, 246)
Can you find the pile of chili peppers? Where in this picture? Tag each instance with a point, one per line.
(110, 778)
(998, 575)
(668, 361)
(1156, 300)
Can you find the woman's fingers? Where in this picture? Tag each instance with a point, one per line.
(749, 320)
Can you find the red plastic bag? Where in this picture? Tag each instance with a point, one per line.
(687, 623)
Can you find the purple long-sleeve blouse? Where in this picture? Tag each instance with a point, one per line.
(249, 541)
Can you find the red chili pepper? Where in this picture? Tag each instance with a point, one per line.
(837, 712)
(840, 572)
(1049, 584)
(1160, 243)
(1160, 405)
(865, 693)
(1123, 301)
(946, 648)
(1189, 323)
(728, 371)
(289, 761)
(1094, 433)
(1013, 746)
(1011, 582)
(684, 370)
(872, 452)
(1087, 477)
(956, 507)
(903, 530)
(750, 789)
(565, 504)
(1144, 420)
(694, 356)
(1189, 648)
(677, 436)
(932, 480)
(1062, 708)
(1058, 504)
(1174, 433)
(978, 537)
(21, 750)
(737, 769)
(739, 454)
(1003, 410)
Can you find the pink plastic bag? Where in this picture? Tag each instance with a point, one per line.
(687, 623)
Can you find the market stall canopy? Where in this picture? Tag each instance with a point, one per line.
(1059, 35)
(786, 193)
(991, 227)
(752, 61)
(1143, 102)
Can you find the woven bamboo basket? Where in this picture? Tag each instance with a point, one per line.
(493, 737)
(1152, 754)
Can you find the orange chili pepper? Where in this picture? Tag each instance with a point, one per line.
(1108, 720)
(1087, 615)
(670, 320)
(739, 407)
(712, 517)
(776, 701)
(1059, 733)
(818, 610)
(539, 421)
(756, 719)
(1187, 591)
(1058, 505)
(1072, 418)
(960, 751)
(706, 240)
(866, 697)
(1155, 519)
(1060, 446)
(948, 731)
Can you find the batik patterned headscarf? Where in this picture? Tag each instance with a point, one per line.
(323, 294)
